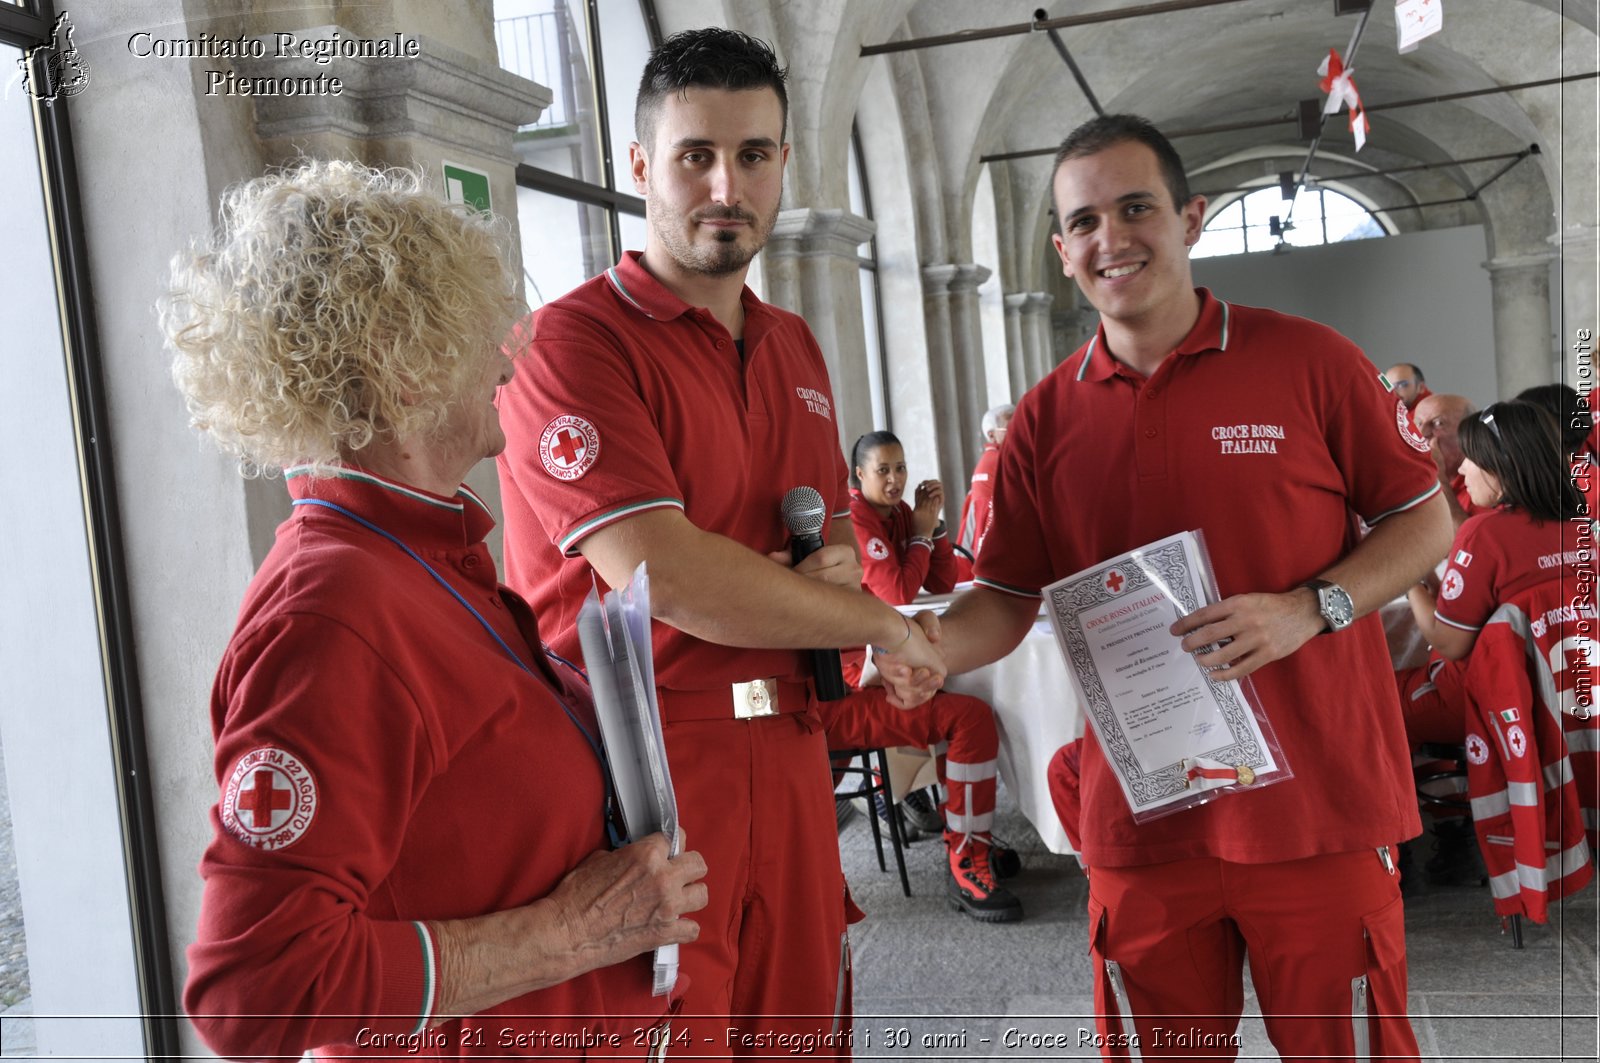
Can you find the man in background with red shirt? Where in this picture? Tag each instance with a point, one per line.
(1128, 442)
(1437, 418)
(978, 510)
(1407, 383)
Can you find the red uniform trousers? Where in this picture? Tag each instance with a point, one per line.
(1433, 702)
(1326, 942)
(959, 728)
(754, 799)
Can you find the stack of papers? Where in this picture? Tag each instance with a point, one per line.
(615, 635)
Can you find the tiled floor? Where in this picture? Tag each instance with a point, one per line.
(923, 970)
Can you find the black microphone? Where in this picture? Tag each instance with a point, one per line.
(804, 514)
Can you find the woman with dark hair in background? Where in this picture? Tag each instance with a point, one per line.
(1513, 467)
(903, 551)
(1525, 542)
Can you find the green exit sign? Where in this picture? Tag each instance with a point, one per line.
(462, 184)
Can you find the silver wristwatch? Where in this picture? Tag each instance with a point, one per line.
(1334, 603)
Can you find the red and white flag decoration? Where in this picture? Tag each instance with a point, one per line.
(1416, 19)
(1341, 89)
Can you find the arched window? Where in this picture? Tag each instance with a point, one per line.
(1320, 216)
(576, 208)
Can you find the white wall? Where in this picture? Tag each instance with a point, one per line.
(1416, 297)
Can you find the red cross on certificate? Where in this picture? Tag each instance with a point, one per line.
(1114, 581)
(263, 799)
(567, 446)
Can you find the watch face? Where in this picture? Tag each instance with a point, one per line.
(1337, 607)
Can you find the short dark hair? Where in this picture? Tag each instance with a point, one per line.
(1570, 409)
(866, 445)
(1109, 130)
(1519, 444)
(1416, 371)
(709, 58)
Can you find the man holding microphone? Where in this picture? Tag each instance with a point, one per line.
(660, 414)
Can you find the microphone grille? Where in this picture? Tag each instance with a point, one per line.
(803, 511)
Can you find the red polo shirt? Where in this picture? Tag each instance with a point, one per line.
(978, 510)
(629, 399)
(1267, 433)
(893, 568)
(1501, 553)
(371, 735)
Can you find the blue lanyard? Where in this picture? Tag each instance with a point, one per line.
(594, 744)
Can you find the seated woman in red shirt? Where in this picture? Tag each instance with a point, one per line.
(903, 551)
(1512, 468)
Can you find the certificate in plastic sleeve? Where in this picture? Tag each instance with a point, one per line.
(1173, 737)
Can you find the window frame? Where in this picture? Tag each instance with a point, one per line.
(1223, 203)
(27, 29)
(608, 196)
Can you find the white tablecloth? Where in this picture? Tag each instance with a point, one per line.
(1037, 713)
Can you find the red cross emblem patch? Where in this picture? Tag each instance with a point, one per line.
(1516, 740)
(1452, 585)
(1408, 431)
(270, 800)
(1477, 750)
(1115, 581)
(877, 549)
(569, 447)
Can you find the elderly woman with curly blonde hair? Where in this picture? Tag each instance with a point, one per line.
(411, 846)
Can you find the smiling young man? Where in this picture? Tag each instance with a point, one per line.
(1269, 434)
(659, 416)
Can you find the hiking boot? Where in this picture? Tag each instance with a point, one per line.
(971, 884)
(921, 810)
(1456, 860)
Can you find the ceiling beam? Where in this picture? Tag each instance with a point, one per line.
(1290, 117)
(1361, 174)
(1017, 29)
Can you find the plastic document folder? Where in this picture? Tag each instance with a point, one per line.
(614, 632)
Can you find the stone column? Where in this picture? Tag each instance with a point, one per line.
(1016, 348)
(944, 384)
(1038, 315)
(1523, 345)
(811, 268)
(1579, 271)
(966, 336)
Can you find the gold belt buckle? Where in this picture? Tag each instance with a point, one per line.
(759, 697)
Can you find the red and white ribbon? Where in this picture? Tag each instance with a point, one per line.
(1340, 85)
(1202, 773)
